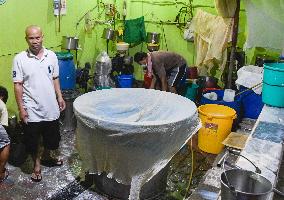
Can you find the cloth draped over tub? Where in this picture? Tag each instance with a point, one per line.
(265, 24)
(132, 133)
(212, 35)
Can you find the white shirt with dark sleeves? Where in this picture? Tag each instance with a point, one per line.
(37, 76)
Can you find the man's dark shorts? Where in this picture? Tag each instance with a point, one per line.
(177, 76)
(49, 130)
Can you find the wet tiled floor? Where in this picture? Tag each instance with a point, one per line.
(68, 181)
(55, 179)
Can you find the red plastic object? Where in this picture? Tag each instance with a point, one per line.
(210, 89)
(147, 81)
(193, 73)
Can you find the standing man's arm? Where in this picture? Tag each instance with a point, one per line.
(60, 99)
(153, 82)
(18, 90)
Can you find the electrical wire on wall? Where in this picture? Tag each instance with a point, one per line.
(164, 34)
(161, 3)
(184, 16)
(12, 54)
(142, 12)
(81, 18)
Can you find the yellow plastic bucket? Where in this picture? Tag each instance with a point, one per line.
(217, 123)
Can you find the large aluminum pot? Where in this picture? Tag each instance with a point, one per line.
(70, 43)
(153, 188)
(153, 47)
(241, 184)
(109, 34)
(153, 37)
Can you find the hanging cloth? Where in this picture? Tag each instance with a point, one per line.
(212, 34)
(265, 24)
(226, 8)
(135, 30)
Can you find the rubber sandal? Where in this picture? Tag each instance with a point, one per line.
(36, 176)
(6, 174)
(52, 162)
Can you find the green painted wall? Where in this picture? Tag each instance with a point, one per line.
(16, 15)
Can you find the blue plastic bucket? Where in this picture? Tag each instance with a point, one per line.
(251, 102)
(125, 81)
(273, 84)
(67, 71)
(236, 105)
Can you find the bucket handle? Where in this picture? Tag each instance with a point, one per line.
(257, 170)
(224, 160)
(232, 189)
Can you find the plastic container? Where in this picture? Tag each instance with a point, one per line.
(191, 91)
(147, 81)
(229, 95)
(251, 102)
(217, 121)
(103, 88)
(67, 71)
(122, 46)
(236, 105)
(193, 73)
(125, 81)
(273, 84)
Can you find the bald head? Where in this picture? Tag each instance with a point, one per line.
(33, 28)
(34, 38)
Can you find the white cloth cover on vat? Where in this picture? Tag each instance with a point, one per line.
(132, 133)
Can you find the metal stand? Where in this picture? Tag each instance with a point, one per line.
(67, 117)
(107, 45)
(234, 43)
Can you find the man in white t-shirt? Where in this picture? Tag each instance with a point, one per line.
(4, 139)
(39, 99)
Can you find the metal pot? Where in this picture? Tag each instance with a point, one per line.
(207, 82)
(153, 37)
(128, 60)
(109, 34)
(150, 190)
(247, 185)
(70, 43)
(152, 48)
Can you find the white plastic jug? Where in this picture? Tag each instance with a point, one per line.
(229, 95)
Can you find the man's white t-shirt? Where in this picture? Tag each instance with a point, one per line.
(37, 75)
(3, 114)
